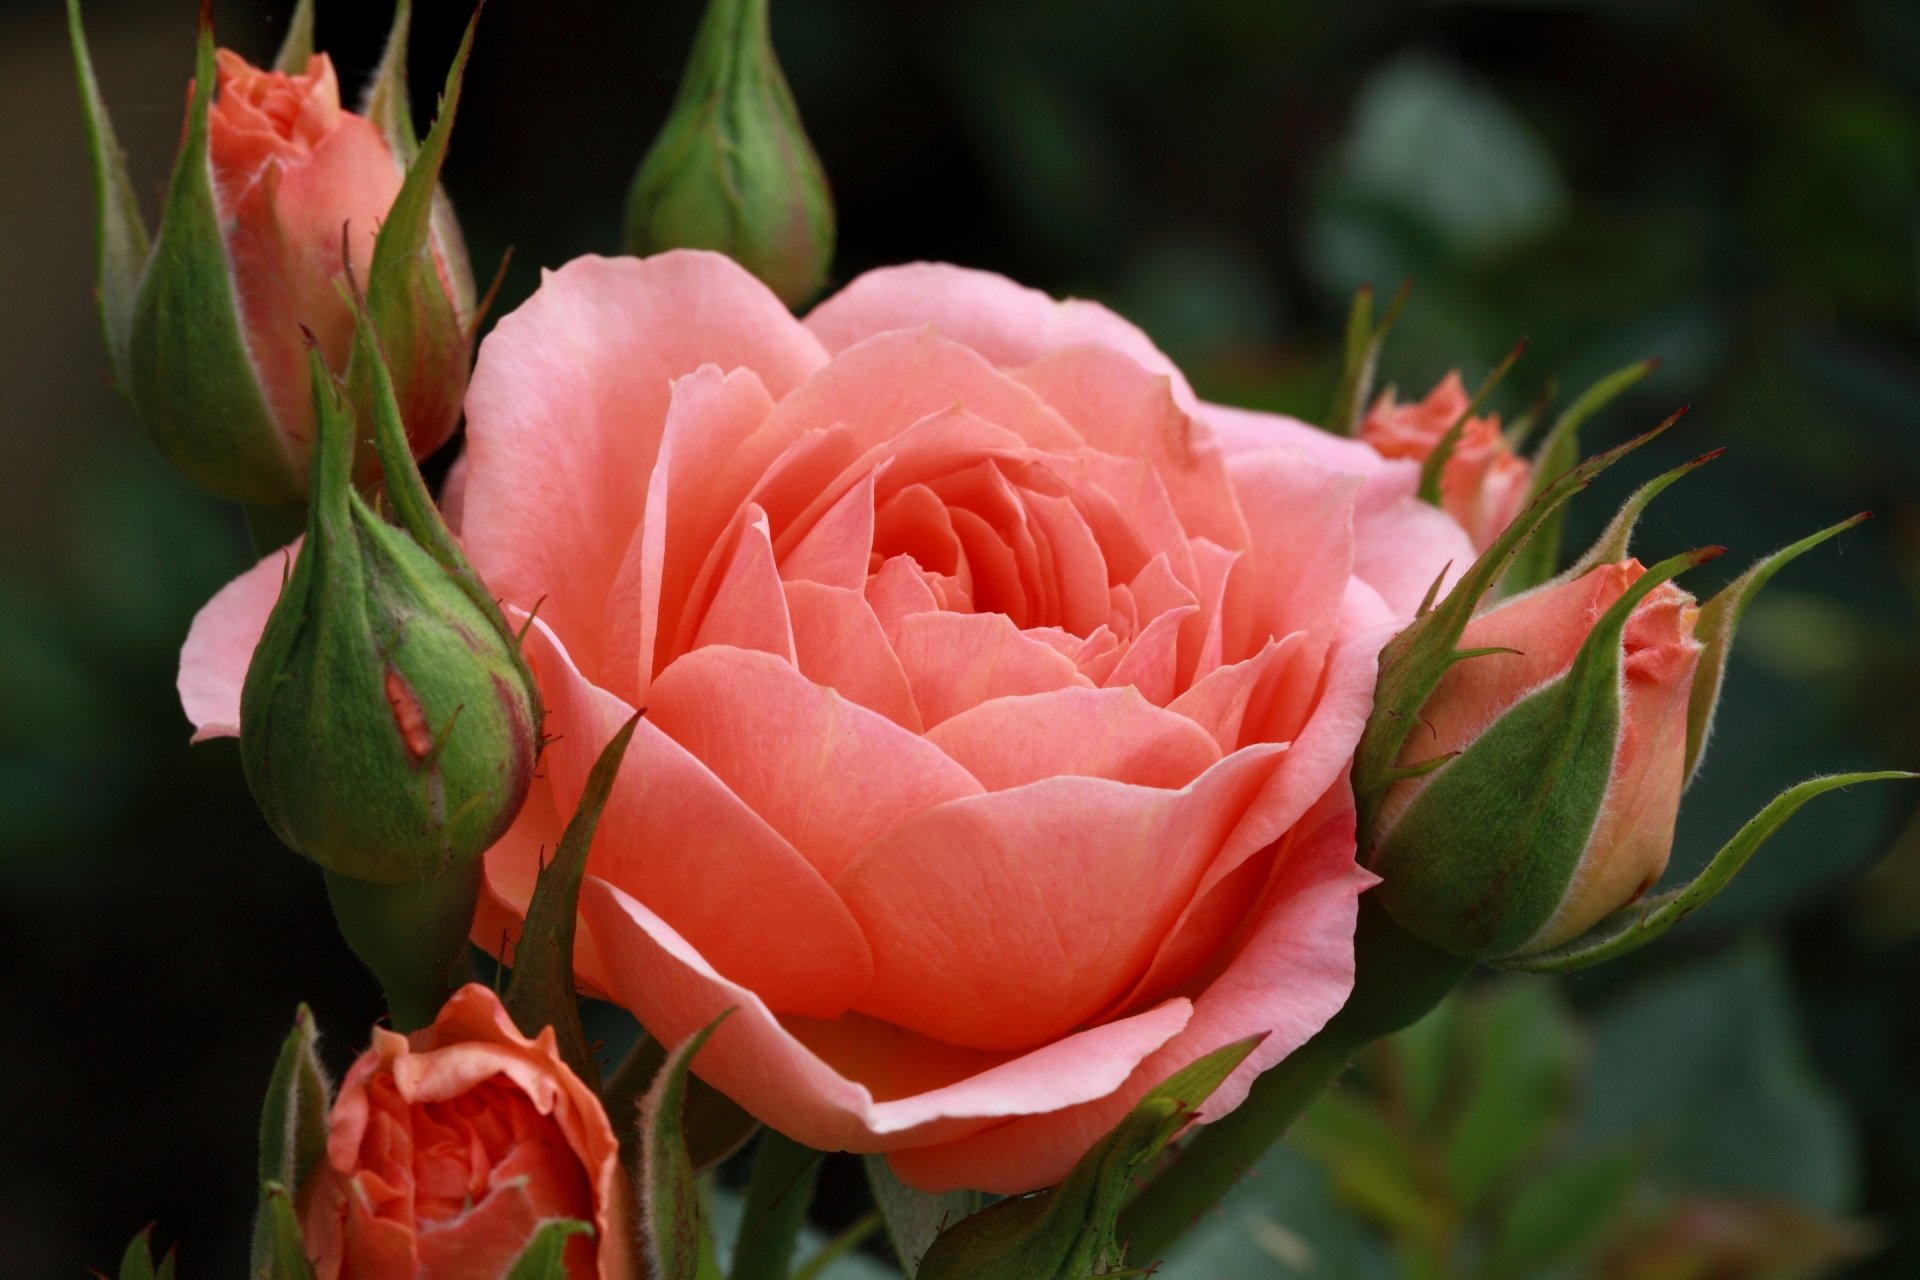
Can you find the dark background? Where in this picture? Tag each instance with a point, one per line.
(1732, 186)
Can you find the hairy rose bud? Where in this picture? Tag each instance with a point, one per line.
(277, 192)
(447, 1150)
(1567, 758)
(1484, 483)
(732, 169)
(386, 725)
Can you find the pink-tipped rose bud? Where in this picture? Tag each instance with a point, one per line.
(1567, 757)
(1484, 483)
(448, 1148)
(277, 194)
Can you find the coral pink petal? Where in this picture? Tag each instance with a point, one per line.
(1006, 920)
(749, 609)
(675, 992)
(826, 773)
(221, 641)
(1218, 701)
(955, 661)
(677, 837)
(1152, 661)
(840, 645)
(1300, 516)
(836, 550)
(1292, 973)
(1008, 323)
(1088, 733)
(898, 590)
(566, 410)
(1126, 410)
(1403, 546)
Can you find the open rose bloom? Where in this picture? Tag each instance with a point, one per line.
(447, 1149)
(1484, 483)
(999, 694)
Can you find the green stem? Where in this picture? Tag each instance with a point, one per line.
(272, 528)
(777, 1200)
(1398, 979)
(413, 936)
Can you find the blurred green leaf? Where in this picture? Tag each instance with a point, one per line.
(1521, 1055)
(1561, 1213)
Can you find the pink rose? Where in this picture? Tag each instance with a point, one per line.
(1632, 833)
(447, 1149)
(1484, 484)
(291, 169)
(998, 718)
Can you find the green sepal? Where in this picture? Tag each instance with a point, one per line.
(732, 169)
(1559, 453)
(1634, 926)
(1364, 342)
(1521, 429)
(188, 371)
(913, 1218)
(1069, 1231)
(1482, 858)
(121, 245)
(714, 1125)
(779, 1193)
(1435, 463)
(669, 1202)
(424, 330)
(1720, 618)
(545, 1257)
(1616, 540)
(1413, 662)
(287, 1252)
(293, 1123)
(297, 45)
(541, 990)
(137, 1262)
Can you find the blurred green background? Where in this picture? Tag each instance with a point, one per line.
(1734, 187)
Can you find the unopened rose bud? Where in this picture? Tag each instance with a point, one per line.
(1560, 754)
(1484, 484)
(732, 169)
(387, 725)
(277, 191)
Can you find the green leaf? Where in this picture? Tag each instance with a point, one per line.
(287, 1253)
(1421, 1061)
(1634, 926)
(1413, 662)
(1282, 1221)
(293, 1123)
(297, 45)
(541, 991)
(913, 1218)
(1561, 1212)
(714, 1124)
(669, 1223)
(781, 1188)
(1704, 1065)
(1364, 342)
(545, 1257)
(1719, 619)
(1435, 463)
(1069, 1231)
(137, 1262)
(1522, 1059)
(120, 233)
(1558, 454)
(1372, 1162)
(1481, 860)
(188, 371)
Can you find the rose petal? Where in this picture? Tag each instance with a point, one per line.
(1005, 920)
(749, 609)
(1090, 733)
(672, 989)
(955, 661)
(566, 410)
(824, 772)
(221, 641)
(840, 645)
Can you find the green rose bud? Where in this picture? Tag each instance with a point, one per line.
(388, 725)
(732, 170)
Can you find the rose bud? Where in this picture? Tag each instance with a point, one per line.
(387, 725)
(1483, 484)
(277, 192)
(732, 169)
(447, 1149)
(1540, 788)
